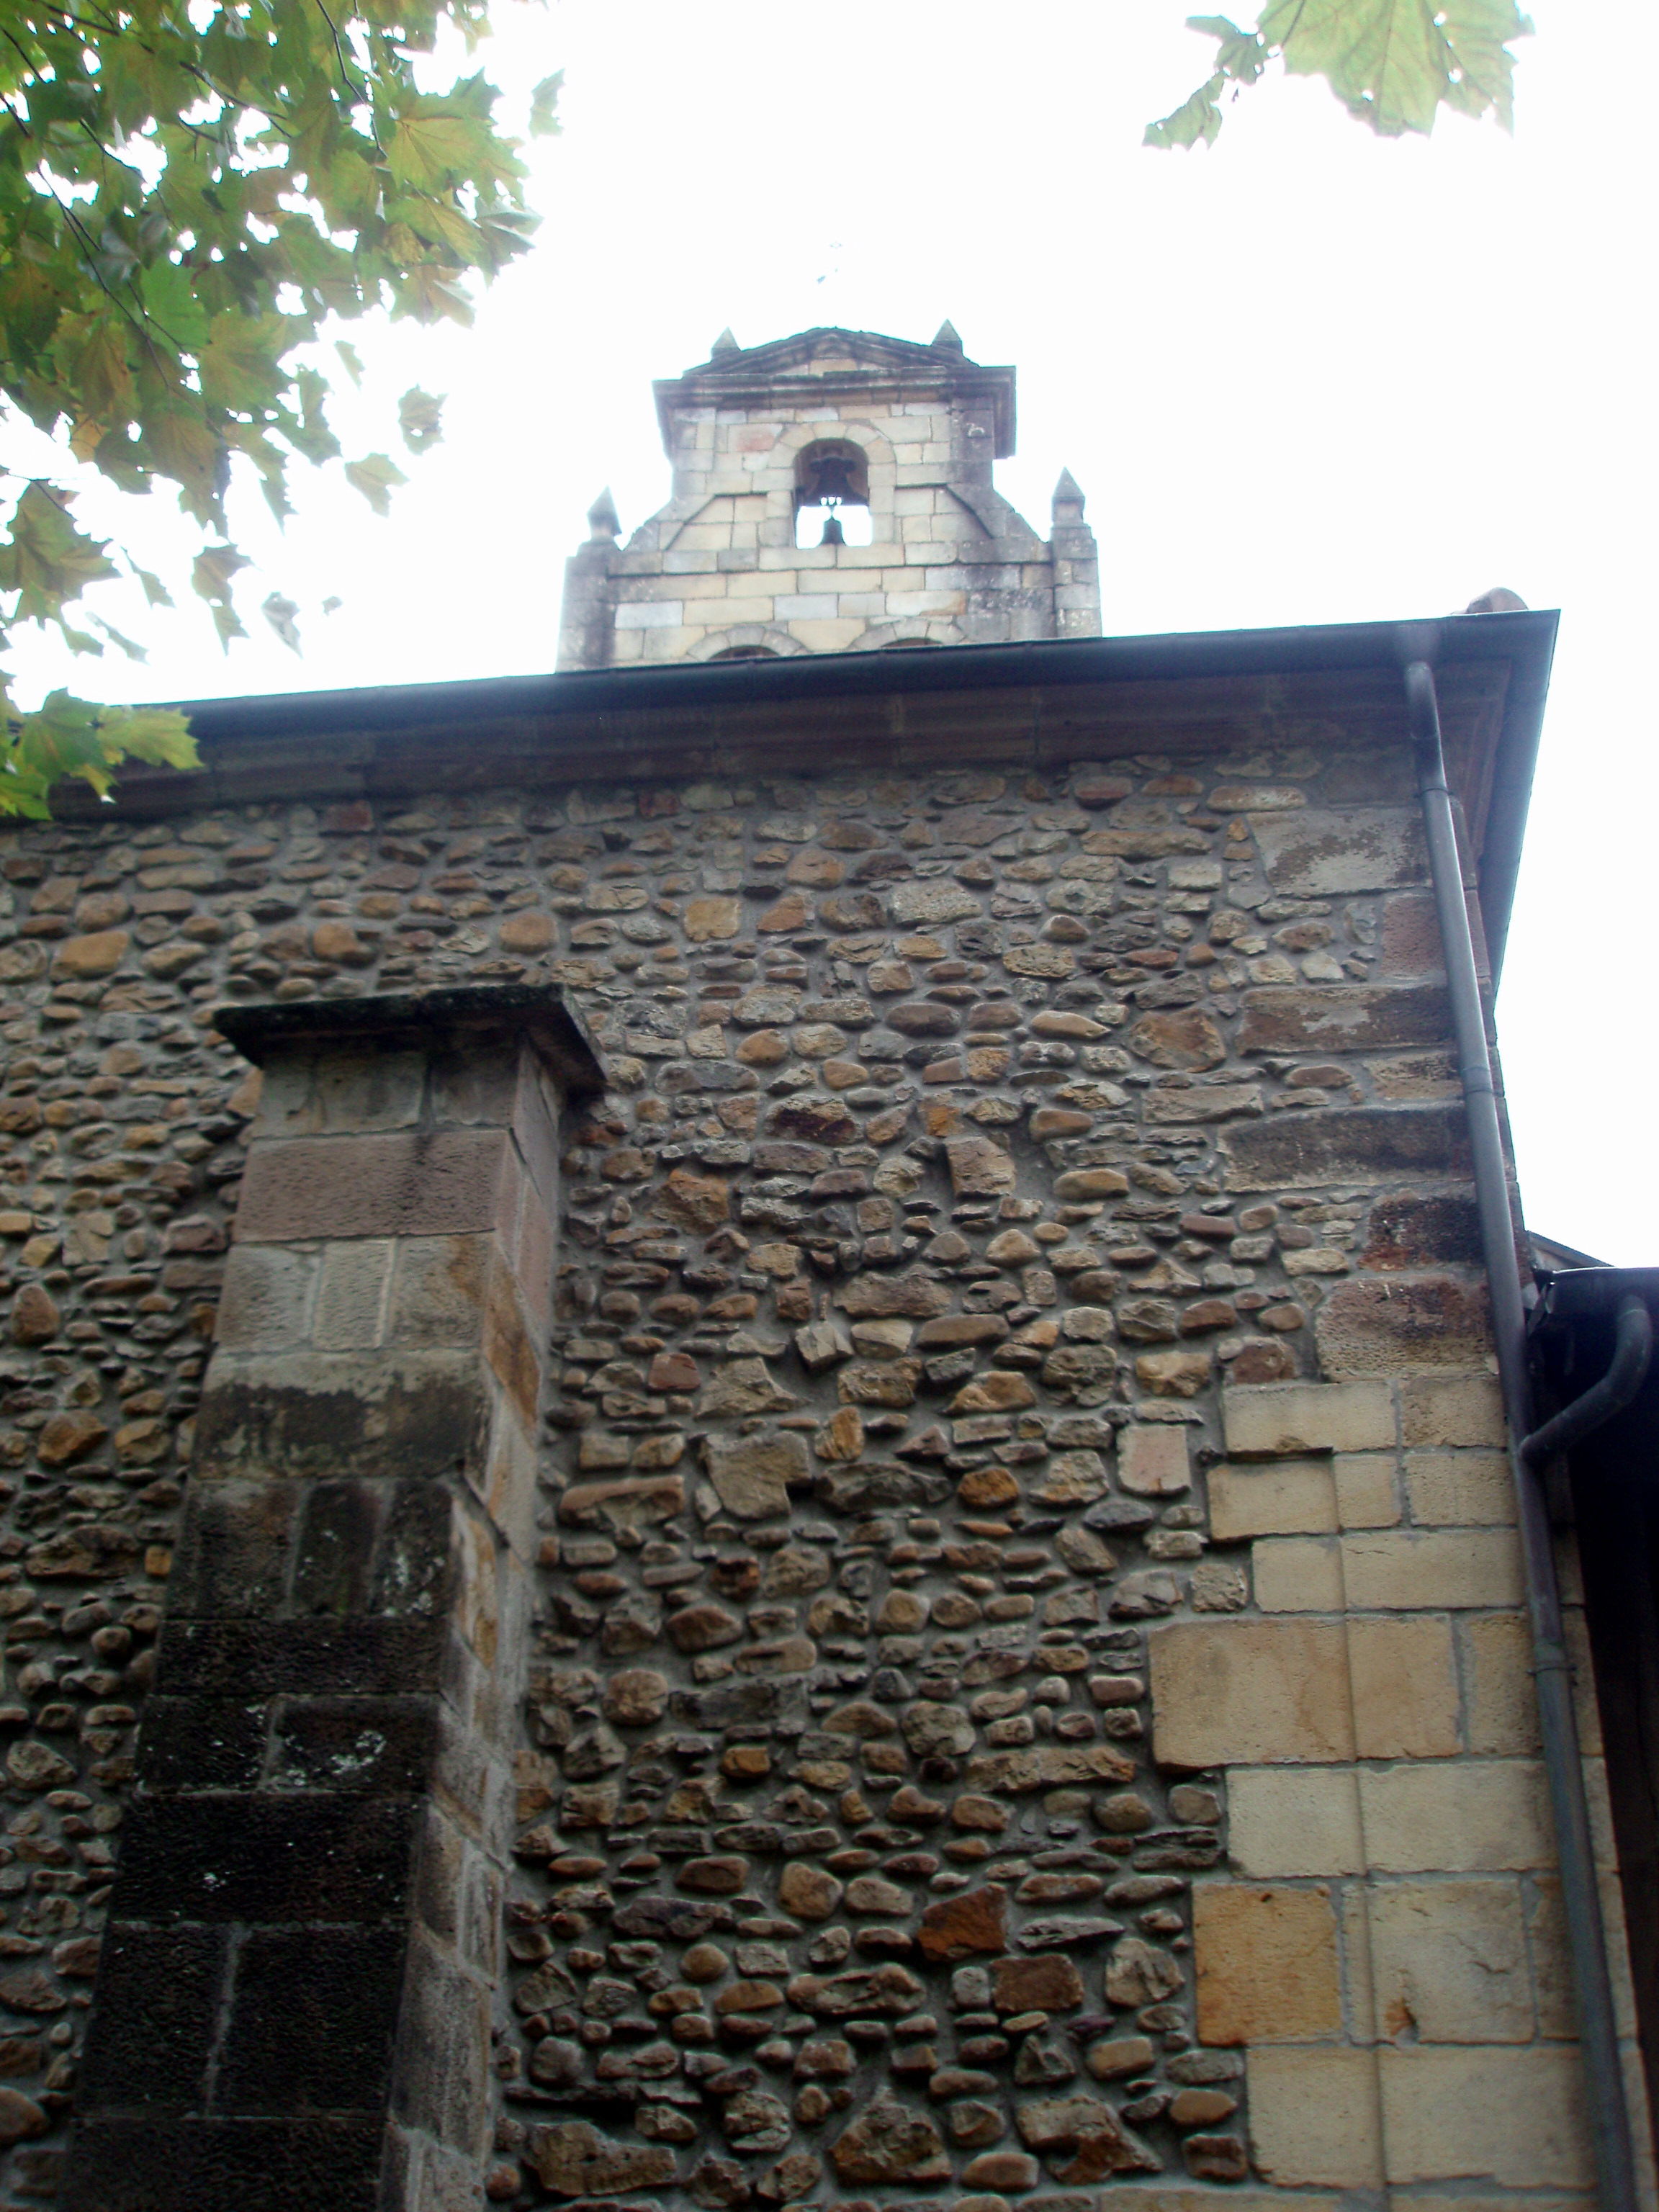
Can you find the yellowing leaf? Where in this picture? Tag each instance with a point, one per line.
(66, 736)
(239, 362)
(187, 449)
(429, 150)
(100, 367)
(194, 203)
(420, 418)
(46, 560)
(158, 734)
(212, 571)
(375, 475)
(543, 122)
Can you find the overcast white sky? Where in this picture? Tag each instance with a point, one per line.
(1304, 377)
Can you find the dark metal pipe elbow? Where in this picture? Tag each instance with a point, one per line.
(1632, 1354)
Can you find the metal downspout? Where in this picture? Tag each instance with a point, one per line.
(1609, 2117)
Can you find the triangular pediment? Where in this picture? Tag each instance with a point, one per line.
(829, 351)
(835, 365)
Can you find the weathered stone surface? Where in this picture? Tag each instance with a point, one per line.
(751, 1474)
(932, 903)
(1323, 853)
(20, 2116)
(967, 1926)
(1357, 1144)
(808, 1891)
(1152, 1461)
(68, 1436)
(979, 1167)
(916, 1295)
(706, 918)
(1084, 2139)
(695, 1201)
(1184, 1038)
(526, 932)
(1115, 2055)
(1343, 1018)
(573, 2159)
(891, 2142)
(1267, 1963)
(636, 1696)
(999, 2170)
(1250, 1692)
(97, 954)
(937, 1731)
(34, 1315)
(1403, 1324)
(631, 1499)
(704, 1627)
(1049, 1766)
(1048, 1984)
(743, 1385)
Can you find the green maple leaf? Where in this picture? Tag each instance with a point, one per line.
(420, 418)
(46, 560)
(437, 138)
(60, 738)
(1394, 63)
(211, 573)
(157, 734)
(374, 476)
(192, 199)
(172, 306)
(1196, 122)
(240, 363)
(65, 736)
(543, 101)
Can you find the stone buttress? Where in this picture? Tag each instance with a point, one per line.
(296, 1996)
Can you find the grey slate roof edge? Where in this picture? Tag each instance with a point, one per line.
(1526, 640)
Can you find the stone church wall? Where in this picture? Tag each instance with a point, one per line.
(1031, 1688)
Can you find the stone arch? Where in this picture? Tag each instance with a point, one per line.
(756, 638)
(933, 629)
(880, 461)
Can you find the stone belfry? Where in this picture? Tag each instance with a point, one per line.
(832, 492)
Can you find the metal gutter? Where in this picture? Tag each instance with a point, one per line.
(1526, 640)
(1530, 1446)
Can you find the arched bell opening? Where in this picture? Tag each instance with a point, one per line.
(832, 494)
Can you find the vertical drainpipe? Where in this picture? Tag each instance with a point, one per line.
(1609, 2117)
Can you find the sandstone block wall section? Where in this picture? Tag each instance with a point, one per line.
(949, 560)
(967, 1133)
(298, 1977)
(1391, 1951)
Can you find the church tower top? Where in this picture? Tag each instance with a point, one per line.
(832, 492)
